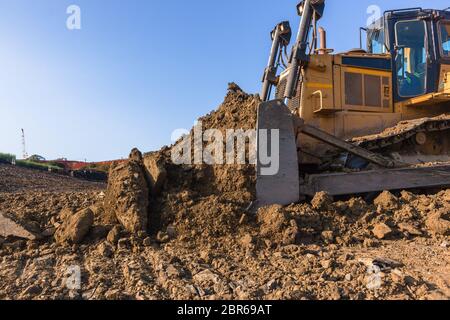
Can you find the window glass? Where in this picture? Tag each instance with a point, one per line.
(445, 38)
(411, 58)
(376, 42)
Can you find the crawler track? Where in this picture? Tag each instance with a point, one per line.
(407, 130)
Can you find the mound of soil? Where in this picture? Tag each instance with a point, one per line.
(204, 240)
(198, 201)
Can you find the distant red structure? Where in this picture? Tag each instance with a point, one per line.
(79, 165)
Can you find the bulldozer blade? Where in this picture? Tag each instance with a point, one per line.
(277, 179)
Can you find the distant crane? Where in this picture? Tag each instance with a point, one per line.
(24, 147)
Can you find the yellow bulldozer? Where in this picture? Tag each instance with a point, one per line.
(361, 121)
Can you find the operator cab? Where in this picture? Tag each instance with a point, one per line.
(419, 43)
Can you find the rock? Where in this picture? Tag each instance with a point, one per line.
(387, 263)
(383, 263)
(348, 277)
(371, 243)
(381, 231)
(127, 195)
(322, 201)
(206, 256)
(387, 201)
(162, 237)
(113, 295)
(173, 271)
(10, 228)
(247, 240)
(114, 235)
(422, 291)
(398, 277)
(409, 228)
(234, 87)
(335, 294)
(49, 232)
(101, 195)
(345, 257)
(32, 245)
(310, 256)
(15, 245)
(98, 232)
(273, 222)
(437, 225)
(272, 285)
(66, 213)
(290, 235)
(328, 236)
(357, 206)
(444, 244)
(156, 173)
(436, 296)
(32, 290)
(103, 217)
(327, 264)
(33, 227)
(171, 232)
(446, 195)
(206, 276)
(75, 228)
(135, 155)
(106, 250)
(124, 244)
(147, 242)
(408, 196)
(142, 234)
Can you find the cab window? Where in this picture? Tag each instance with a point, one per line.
(411, 57)
(445, 38)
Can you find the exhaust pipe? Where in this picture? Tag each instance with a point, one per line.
(323, 41)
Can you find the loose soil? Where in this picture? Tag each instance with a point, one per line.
(205, 239)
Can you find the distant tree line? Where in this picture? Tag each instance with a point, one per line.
(7, 158)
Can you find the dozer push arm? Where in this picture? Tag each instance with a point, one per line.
(281, 36)
(310, 10)
(346, 146)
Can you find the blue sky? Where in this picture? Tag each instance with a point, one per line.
(138, 69)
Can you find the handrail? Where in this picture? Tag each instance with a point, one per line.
(319, 92)
(404, 10)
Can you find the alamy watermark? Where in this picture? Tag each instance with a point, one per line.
(374, 280)
(375, 15)
(73, 21)
(73, 280)
(228, 147)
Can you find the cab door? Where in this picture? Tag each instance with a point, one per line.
(411, 61)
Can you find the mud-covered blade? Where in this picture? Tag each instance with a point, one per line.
(273, 186)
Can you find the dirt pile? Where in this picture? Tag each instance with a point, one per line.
(204, 240)
(209, 201)
(192, 200)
